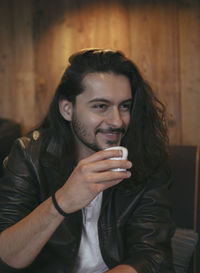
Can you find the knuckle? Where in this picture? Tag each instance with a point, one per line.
(81, 162)
(88, 177)
(121, 163)
(99, 188)
(117, 175)
(82, 167)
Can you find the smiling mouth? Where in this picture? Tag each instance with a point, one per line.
(112, 136)
(111, 131)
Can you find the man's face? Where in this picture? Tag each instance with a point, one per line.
(101, 114)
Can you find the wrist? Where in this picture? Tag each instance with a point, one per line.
(57, 206)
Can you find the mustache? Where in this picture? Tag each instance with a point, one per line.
(111, 131)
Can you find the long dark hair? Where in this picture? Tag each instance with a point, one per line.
(146, 138)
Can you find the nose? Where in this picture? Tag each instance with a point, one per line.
(114, 119)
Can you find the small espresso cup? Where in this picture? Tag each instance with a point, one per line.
(123, 157)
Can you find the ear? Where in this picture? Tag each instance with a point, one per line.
(66, 109)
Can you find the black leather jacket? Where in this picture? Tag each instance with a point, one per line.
(134, 227)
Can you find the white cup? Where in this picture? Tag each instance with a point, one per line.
(123, 157)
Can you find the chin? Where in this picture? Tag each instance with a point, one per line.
(109, 145)
(113, 143)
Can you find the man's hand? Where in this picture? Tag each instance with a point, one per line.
(91, 176)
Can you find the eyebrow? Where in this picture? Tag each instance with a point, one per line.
(107, 101)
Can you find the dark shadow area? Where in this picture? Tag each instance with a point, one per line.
(9, 131)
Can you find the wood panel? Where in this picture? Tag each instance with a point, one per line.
(6, 60)
(24, 86)
(161, 37)
(17, 75)
(154, 48)
(189, 21)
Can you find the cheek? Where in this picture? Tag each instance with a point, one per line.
(93, 120)
(90, 122)
(126, 120)
(90, 119)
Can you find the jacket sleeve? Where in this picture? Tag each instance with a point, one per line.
(18, 187)
(149, 231)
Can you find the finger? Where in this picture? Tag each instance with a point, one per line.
(101, 155)
(105, 177)
(107, 184)
(105, 165)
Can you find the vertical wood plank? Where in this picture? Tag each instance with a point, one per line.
(189, 15)
(43, 61)
(6, 59)
(24, 87)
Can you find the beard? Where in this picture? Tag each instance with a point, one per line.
(81, 133)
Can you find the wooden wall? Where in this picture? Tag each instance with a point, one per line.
(161, 37)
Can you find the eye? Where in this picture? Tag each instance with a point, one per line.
(100, 106)
(125, 107)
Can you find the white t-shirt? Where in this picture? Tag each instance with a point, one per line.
(89, 256)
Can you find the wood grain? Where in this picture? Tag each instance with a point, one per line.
(189, 18)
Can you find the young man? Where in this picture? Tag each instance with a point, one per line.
(62, 207)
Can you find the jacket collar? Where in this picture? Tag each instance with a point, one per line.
(49, 156)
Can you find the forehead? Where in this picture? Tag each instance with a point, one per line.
(108, 86)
